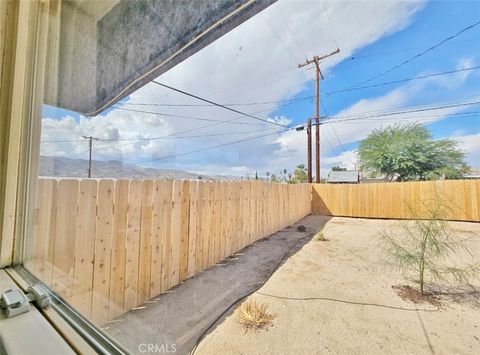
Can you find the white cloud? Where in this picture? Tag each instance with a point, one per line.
(471, 145)
(248, 64)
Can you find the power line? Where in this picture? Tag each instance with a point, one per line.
(340, 119)
(197, 128)
(181, 137)
(338, 137)
(328, 141)
(214, 147)
(429, 49)
(396, 51)
(403, 80)
(365, 115)
(62, 141)
(292, 33)
(259, 78)
(416, 118)
(217, 104)
(183, 116)
(278, 37)
(410, 107)
(286, 101)
(329, 24)
(175, 134)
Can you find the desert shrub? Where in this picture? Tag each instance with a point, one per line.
(425, 244)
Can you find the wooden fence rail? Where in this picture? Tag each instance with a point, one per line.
(107, 246)
(397, 200)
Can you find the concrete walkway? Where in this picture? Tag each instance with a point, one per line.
(175, 320)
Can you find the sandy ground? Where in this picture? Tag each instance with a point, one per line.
(336, 297)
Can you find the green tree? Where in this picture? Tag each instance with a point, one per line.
(337, 168)
(408, 152)
(299, 175)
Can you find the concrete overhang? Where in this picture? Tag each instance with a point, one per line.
(102, 51)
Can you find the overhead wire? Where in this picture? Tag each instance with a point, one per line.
(292, 33)
(336, 135)
(292, 56)
(294, 100)
(347, 118)
(215, 146)
(414, 118)
(418, 55)
(396, 51)
(183, 137)
(329, 23)
(217, 104)
(404, 80)
(184, 116)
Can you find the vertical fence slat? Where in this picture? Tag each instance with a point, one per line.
(132, 247)
(158, 227)
(65, 237)
(40, 260)
(166, 255)
(192, 229)
(103, 248)
(118, 259)
(184, 227)
(199, 228)
(145, 246)
(176, 231)
(85, 247)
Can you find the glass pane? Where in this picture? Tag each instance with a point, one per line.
(126, 207)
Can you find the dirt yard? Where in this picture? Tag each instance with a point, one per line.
(336, 296)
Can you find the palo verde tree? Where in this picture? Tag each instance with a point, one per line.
(425, 245)
(408, 152)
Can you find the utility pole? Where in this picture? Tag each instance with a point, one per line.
(318, 73)
(309, 150)
(90, 145)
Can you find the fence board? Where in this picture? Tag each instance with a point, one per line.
(145, 252)
(166, 257)
(109, 245)
(192, 229)
(103, 251)
(118, 259)
(84, 247)
(184, 226)
(65, 238)
(41, 258)
(398, 200)
(158, 227)
(132, 245)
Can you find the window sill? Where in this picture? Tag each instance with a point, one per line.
(28, 333)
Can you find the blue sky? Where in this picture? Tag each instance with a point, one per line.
(428, 27)
(257, 62)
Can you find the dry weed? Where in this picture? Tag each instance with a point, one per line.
(254, 315)
(320, 237)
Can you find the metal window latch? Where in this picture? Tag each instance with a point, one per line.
(15, 302)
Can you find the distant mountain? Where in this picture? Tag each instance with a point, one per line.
(77, 168)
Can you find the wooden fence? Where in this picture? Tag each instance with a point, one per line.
(397, 200)
(107, 246)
